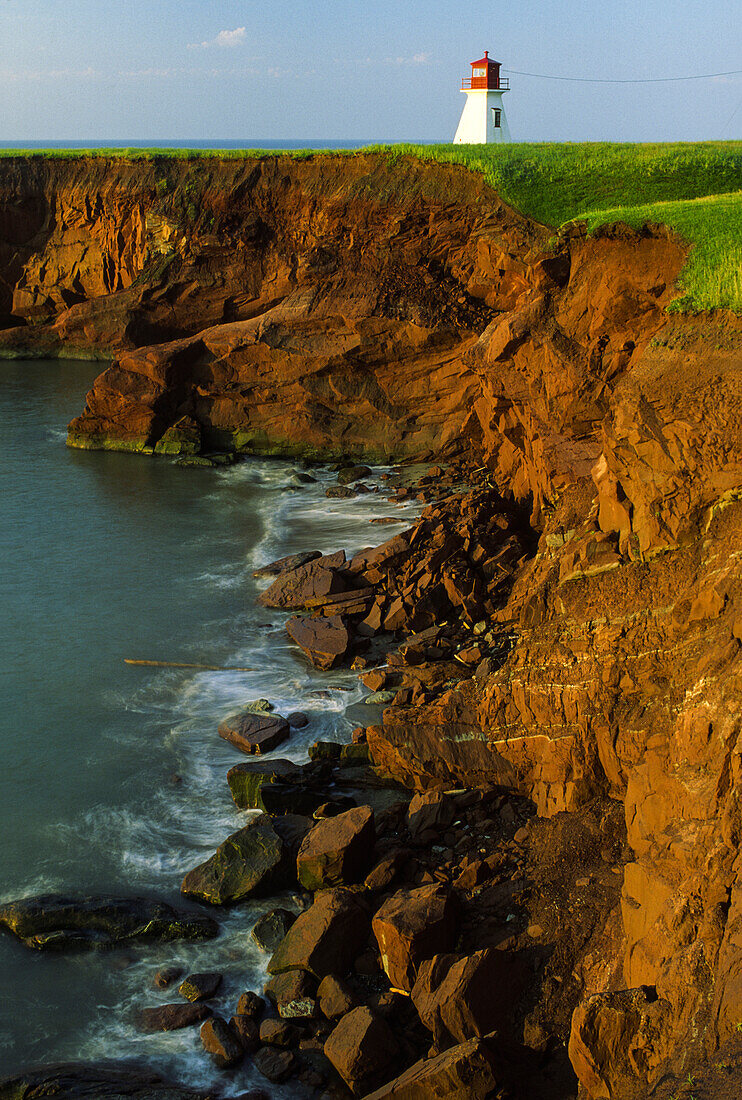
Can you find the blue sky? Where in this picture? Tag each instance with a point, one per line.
(376, 70)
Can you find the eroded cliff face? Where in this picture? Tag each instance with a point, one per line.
(347, 306)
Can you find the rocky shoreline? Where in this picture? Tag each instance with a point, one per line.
(421, 943)
(382, 983)
(566, 615)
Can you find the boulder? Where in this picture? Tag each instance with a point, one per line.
(467, 998)
(292, 588)
(59, 921)
(251, 1004)
(277, 1065)
(386, 870)
(221, 1043)
(254, 733)
(274, 786)
(199, 987)
(353, 473)
(429, 810)
(111, 1081)
(338, 850)
(251, 861)
(166, 976)
(285, 565)
(278, 1033)
(334, 998)
(621, 1042)
(413, 925)
(270, 929)
(324, 640)
(464, 1072)
(246, 1031)
(297, 719)
(293, 993)
(171, 1017)
(362, 1049)
(326, 939)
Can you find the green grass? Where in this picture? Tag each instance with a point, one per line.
(695, 188)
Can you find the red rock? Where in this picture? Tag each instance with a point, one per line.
(284, 565)
(293, 588)
(293, 993)
(276, 1065)
(376, 679)
(464, 1072)
(334, 998)
(172, 1017)
(620, 1043)
(325, 640)
(250, 1004)
(200, 987)
(278, 1033)
(362, 1049)
(254, 734)
(429, 810)
(396, 615)
(470, 997)
(338, 850)
(413, 925)
(326, 938)
(165, 977)
(386, 870)
(221, 1043)
(246, 1031)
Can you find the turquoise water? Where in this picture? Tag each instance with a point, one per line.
(113, 776)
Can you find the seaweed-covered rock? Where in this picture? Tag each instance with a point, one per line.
(270, 929)
(199, 987)
(251, 861)
(112, 1081)
(60, 921)
(274, 786)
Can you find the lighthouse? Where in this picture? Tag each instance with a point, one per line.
(483, 118)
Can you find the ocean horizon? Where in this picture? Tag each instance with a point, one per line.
(200, 143)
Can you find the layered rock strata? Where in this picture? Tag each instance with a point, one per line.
(343, 307)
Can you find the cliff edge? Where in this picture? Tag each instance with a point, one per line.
(343, 307)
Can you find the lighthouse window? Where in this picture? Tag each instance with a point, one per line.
(479, 72)
(496, 115)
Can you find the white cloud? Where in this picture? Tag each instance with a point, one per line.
(416, 59)
(224, 40)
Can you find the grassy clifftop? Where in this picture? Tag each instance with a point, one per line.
(694, 187)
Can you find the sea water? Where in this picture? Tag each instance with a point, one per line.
(113, 776)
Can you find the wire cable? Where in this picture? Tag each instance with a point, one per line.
(597, 80)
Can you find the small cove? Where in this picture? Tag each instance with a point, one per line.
(113, 776)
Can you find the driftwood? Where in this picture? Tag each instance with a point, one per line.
(182, 664)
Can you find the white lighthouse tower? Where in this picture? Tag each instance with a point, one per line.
(483, 118)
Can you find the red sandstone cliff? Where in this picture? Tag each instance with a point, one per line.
(347, 306)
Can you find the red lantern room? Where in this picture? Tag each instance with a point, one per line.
(485, 74)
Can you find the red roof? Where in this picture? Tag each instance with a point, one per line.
(486, 60)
